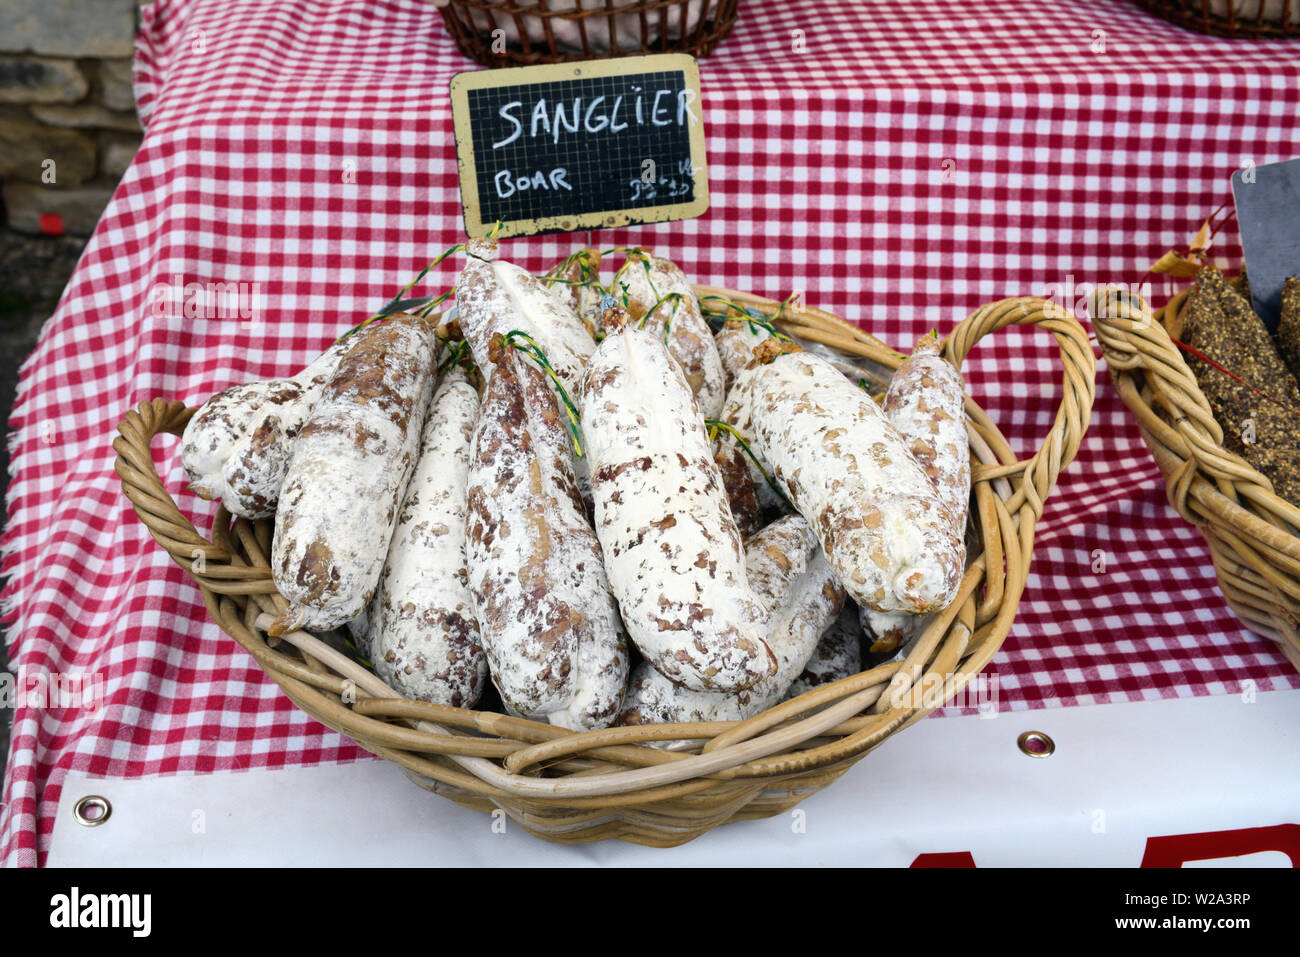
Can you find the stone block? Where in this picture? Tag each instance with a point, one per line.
(39, 154)
(115, 85)
(87, 116)
(116, 156)
(74, 28)
(29, 79)
(51, 211)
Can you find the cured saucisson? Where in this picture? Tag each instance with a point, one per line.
(575, 284)
(926, 404)
(658, 291)
(838, 654)
(422, 632)
(254, 472)
(849, 472)
(788, 570)
(495, 297)
(348, 472)
(671, 546)
(549, 624)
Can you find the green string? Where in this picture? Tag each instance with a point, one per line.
(531, 349)
(781, 309)
(755, 322)
(425, 310)
(645, 264)
(590, 274)
(730, 304)
(676, 297)
(593, 281)
(716, 425)
(356, 652)
(644, 260)
(454, 354)
(405, 289)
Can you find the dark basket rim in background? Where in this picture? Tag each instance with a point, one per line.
(1197, 15)
(472, 22)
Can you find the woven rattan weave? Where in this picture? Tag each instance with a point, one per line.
(570, 787)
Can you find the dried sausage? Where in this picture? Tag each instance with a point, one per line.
(672, 549)
(548, 621)
(423, 635)
(849, 472)
(347, 474)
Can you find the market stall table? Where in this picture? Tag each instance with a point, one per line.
(898, 164)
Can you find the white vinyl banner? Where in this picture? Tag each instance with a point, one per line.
(1192, 781)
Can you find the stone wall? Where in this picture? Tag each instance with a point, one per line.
(68, 126)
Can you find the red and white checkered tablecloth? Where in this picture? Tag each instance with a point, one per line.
(902, 163)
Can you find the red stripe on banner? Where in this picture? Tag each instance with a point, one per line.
(944, 859)
(1175, 850)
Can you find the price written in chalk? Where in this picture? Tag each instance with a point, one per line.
(648, 187)
(581, 145)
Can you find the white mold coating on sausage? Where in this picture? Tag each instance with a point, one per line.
(791, 573)
(647, 280)
(886, 631)
(423, 633)
(215, 429)
(736, 341)
(494, 297)
(348, 472)
(577, 287)
(926, 403)
(255, 468)
(838, 654)
(549, 624)
(671, 546)
(849, 472)
(736, 412)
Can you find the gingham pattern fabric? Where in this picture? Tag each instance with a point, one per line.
(901, 163)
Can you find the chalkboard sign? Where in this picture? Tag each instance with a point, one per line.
(1268, 204)
(573, 146)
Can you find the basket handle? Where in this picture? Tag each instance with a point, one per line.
(1078, 384)
(1132, 341)
(212, 565)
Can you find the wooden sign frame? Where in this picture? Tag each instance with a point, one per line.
(468, 163)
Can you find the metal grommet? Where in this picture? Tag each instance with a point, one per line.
(92, 803)
(1036, 744)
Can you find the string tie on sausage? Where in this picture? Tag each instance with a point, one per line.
(717, 425)
(518, 339)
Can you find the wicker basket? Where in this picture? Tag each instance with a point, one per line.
(526, 32)
(1254, 535)
(569, 787)
(1256, 19)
